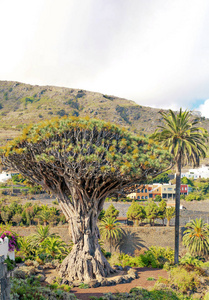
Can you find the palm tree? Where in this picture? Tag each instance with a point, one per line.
(196, 237)
(25, 245)
(44, 216)
(54, 246)
(110, 229)
(186, 142)
(42, 233)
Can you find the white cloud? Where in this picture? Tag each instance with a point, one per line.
(153, 52)
(204, 108)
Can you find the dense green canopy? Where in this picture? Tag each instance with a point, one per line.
(83, 152)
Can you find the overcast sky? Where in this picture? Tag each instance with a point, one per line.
(155, 52)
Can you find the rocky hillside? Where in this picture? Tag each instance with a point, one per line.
(21, 104)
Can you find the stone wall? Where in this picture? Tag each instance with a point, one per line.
(133, 238)
(4, 281)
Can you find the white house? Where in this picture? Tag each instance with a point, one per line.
(202, 172)
(4, 176)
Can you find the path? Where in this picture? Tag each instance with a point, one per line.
(143, 273)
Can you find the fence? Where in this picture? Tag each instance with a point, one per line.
(4, 281)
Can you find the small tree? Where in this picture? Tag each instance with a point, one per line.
(162, 210)
(161, 178)
(136, 212)
(158, 198)
(82, 162)
(169, 214)
(17, 218)
(152, 211)
(111, 212)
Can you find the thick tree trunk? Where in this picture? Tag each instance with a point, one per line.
(177, 210)
(86, 261)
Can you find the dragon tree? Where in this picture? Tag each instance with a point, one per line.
(81, 162)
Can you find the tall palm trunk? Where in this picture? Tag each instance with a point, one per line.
(177, 209)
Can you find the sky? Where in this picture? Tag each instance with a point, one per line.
(154, 52)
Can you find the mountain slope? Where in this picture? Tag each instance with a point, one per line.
(22, 104)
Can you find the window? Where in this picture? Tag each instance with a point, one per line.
(142, 197)
(146, 197)
(138, 197)
(138, 191)
(145, 190)
(142, 190)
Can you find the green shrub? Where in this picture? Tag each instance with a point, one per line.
(189, 259)
(10, 263)
(155, 257)
(18, 259)
(31, 289)
(183, 280)
(83, 286)
(143, 294)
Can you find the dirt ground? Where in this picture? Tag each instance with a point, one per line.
(143, 273)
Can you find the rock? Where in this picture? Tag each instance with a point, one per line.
(19, 274)
(49, 265)
(29, 262)
(55, 262)
(76, 283)
(103, 282)
(94, 283)
(120, 268)
(50, 279)
(29, 270)
(127, 268)
(119, 280)
(65, 281)
(127, 278)
(33, 263)
(133, 273)
(111, 282)
(41, 277)
(106, 282)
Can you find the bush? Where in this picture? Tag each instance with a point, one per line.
(18, 259)
(30, 289)
(10, 264)
(183, 280)
(155, 257)
(143, 294)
